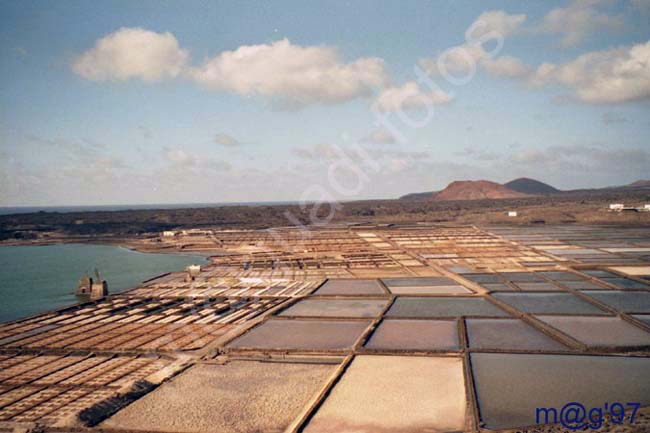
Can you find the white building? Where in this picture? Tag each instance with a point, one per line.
(512, 213)
(193, 270)
(616, 206)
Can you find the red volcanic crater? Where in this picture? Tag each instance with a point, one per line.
(475, 190)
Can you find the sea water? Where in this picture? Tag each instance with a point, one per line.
(34, 279)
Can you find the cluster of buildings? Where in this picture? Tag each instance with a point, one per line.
(620, 207)
(93, 289)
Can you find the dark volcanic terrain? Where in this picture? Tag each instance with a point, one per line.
(123, 227)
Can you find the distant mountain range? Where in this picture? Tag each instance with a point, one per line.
(517, 188)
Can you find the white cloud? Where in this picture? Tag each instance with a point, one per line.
(465, 59)
(542, 75)
(479, 154)
(461, 59)
(324, 153)
(132, 53)
(506, 66)
(579, 165)
(226, 140)
(612, 76)
(498, 22)
(379, 136)
(318, 152)
(291, 75)
(534, 156)
(181, 161)
(600, 77)
(409, 96)
(577, 21)
(294, 74)
(81, 150)
(180, 157)
(102, 169)
(589, 158)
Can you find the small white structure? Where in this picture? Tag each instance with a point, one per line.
(647, 207)
(193, 271)
(169, 234)
(616, 206)
(512, 213)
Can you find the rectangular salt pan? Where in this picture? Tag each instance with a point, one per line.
(508, 334)
(583, 285)
(302, 334)
(599, 331)
(522, 277)
(431, 290)
(539, 287)
(636, 302)
(562, 276)
(548, 303)
(444, 307)
(484, 278)
(351, 287)
(498, 287)
(395, 394)
(510, 387)
(336, 308)
(415, 282)
(600, 274)
(626, 283)
(415, 335)
(238, 397)
(633, 270)
(645, 318)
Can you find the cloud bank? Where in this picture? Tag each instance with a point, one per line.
(293, 75)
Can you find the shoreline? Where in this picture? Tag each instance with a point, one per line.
(127, 244)
(54, 297)
(142, 230)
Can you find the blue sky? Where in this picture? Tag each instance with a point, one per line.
(133, 102)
